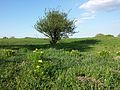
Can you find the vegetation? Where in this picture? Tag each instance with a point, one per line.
(71, 64)
(5, 37)
(99, 35)
(55, 25)
(118, 35)
(102, 35)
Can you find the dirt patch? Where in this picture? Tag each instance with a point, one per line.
(116, 58)
(90, 79)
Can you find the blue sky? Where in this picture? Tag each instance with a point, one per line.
(17, 17)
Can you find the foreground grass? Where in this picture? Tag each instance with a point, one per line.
(72, 64)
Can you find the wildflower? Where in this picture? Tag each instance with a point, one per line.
(118, 53)
(40, 61)
(37, 66)
(73, 50)
(41, 52)
(42, 72)
(34, 51)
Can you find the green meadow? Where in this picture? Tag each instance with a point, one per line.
(71, 64)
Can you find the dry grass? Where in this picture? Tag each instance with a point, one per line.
(116, 58)
(89, 79)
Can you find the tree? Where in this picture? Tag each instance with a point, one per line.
(5, 37)
(55, 25)
(118, 35)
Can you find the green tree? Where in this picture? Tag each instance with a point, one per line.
(55, 25)
(118, 35)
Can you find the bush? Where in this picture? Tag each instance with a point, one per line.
(118, 53)
(5, 37)
(12, 37)
(5, 53)
(109, 35)
(23, 50)
(100, 35)
(118, 35)
(104, 53)
(75, 52)
(28, 37)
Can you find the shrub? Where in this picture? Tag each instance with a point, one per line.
(23, 50)
(100, 35)
(118, 35)
(12, 37)
(5, 53)
(118, 53)
(104, 53)
(75, 52)
(8, 52)
(35, 55)
(109, 35)
(28, 37)
(5, 37)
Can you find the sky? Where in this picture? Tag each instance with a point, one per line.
(18, 17)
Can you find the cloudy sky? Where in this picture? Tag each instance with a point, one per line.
(17, 17)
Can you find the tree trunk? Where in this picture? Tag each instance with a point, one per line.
(53, 41)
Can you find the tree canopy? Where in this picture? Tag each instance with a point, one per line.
(55, 25)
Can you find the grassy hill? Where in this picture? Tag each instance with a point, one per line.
(71, 64)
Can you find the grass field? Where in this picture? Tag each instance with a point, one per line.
(71, 64)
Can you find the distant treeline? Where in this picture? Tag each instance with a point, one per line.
(97, 35)
(107, 35)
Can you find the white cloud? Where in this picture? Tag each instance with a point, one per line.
(85, 16)
(95, 5)
(92, 6)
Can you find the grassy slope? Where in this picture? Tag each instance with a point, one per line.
(69, 71)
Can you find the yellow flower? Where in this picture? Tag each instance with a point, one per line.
(41, 52)
(34, 51)
(72, 50)
(40, 61)
(37, 66)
